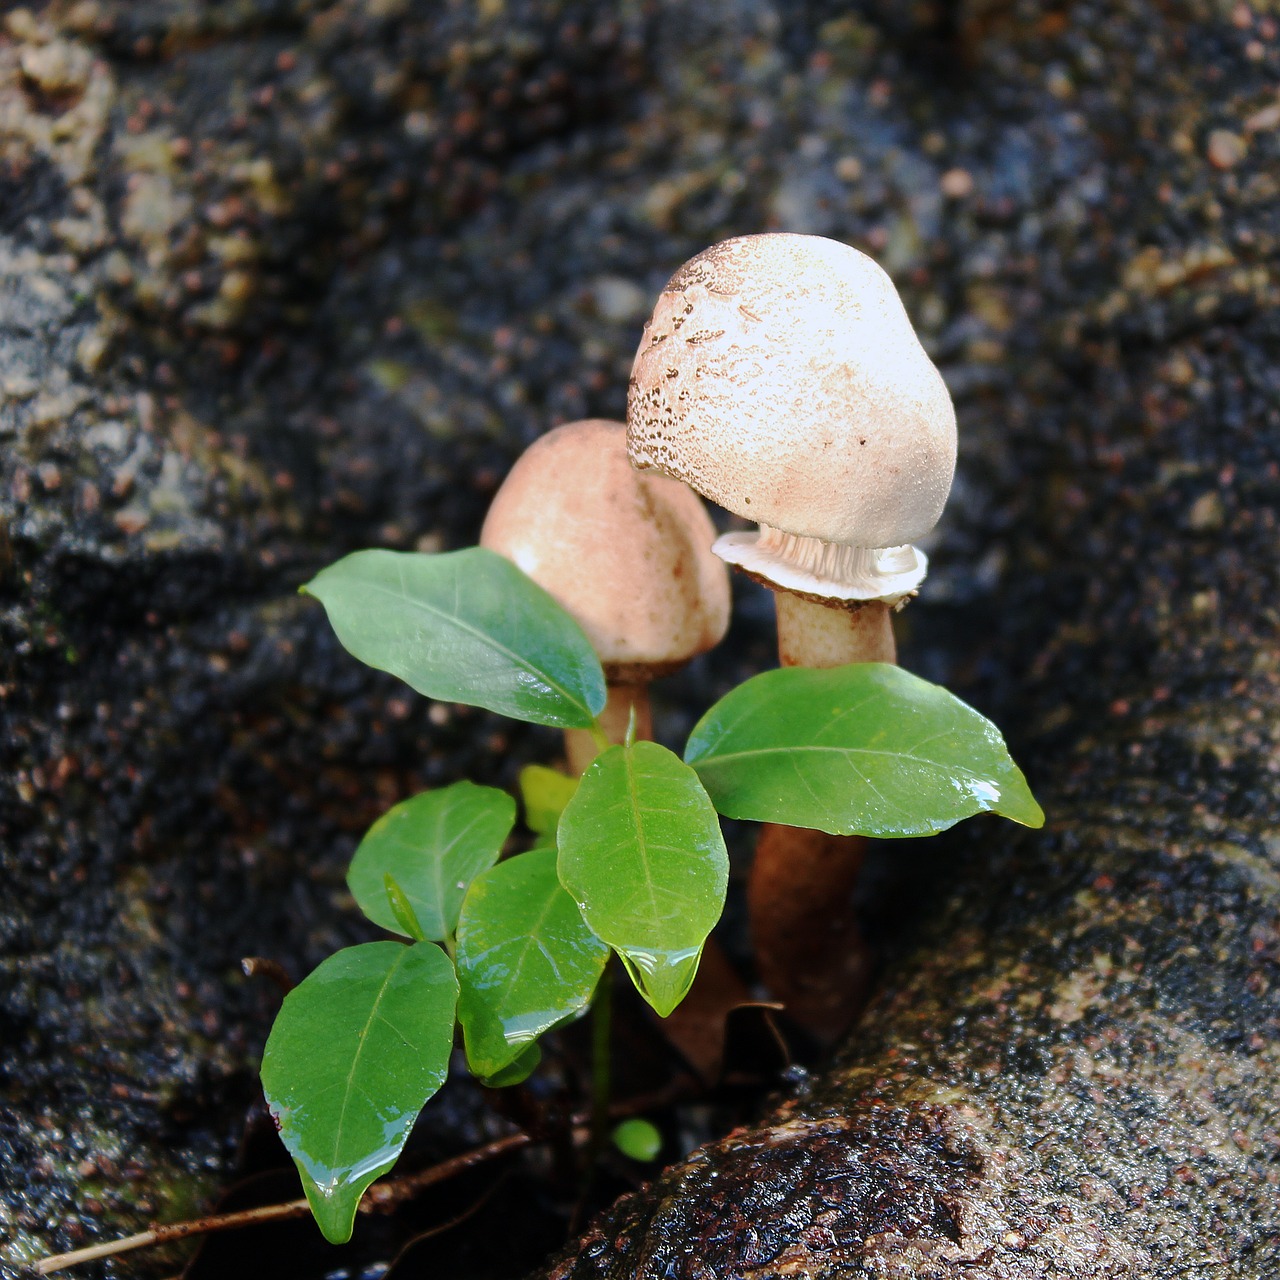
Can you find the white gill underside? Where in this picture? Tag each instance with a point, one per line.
(828, 569)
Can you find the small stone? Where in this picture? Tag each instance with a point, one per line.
(617, 300)
(153, 208)
(1225, 149)
(58, 67)
(1266, 118)
(131, 520)
(21, 24)
(848, 168)
(419, 125)
(48, 291)
(83, 17)
(108, 435)
(1179, 371)
(91, 350)
(1207, 513)
(81, 235)
(236, 287)
(1059, 83)
(52, 410)
(18, 386)
(117, 268)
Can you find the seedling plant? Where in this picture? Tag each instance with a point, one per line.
(628, 860)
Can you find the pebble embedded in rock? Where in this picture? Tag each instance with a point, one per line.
(956, 184)
(1225, 149)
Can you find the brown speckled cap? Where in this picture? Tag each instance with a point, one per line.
(627, 554)
(780, 377)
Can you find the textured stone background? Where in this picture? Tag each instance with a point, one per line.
(281, 278)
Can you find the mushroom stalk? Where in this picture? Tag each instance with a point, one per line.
(581, 746)
(813, 633)
(809, 948)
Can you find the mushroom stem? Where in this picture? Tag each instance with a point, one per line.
(814, 634)
(581, 745)
(809, 949)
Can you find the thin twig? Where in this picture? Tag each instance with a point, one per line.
(163, 1234)
(442, 1227)
(382, 1197)
(263, 967)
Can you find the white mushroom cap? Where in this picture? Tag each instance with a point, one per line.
(781, 378)
(628, 555)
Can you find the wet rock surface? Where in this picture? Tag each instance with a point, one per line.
(281, 279)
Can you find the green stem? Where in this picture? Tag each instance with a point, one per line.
(601, 1081)
(599, 737)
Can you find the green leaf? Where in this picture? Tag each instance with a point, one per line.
(638, 1139)
(518, 1072)
(466, 626)
(432, 846)
(642, 854)
(526, 961)
(544, 793)
(867, 749)
(402, 909)
(356, 1050)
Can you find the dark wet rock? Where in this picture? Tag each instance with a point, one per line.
(282, 278)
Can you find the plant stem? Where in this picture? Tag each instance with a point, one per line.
(601, 1074)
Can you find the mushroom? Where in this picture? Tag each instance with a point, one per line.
(780, 377)
(628, 555)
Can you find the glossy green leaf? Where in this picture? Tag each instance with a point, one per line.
(867, 748)
(638, 1139)
(642, 854)
(518, 1071)
(544, 793)
(432, 846)
(402, 909)
(356, 1050)
(526, 960)
(466, 626)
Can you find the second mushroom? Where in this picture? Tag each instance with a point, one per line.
(628, 555)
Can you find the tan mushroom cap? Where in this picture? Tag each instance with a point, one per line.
(628, 555)
(780, 377)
